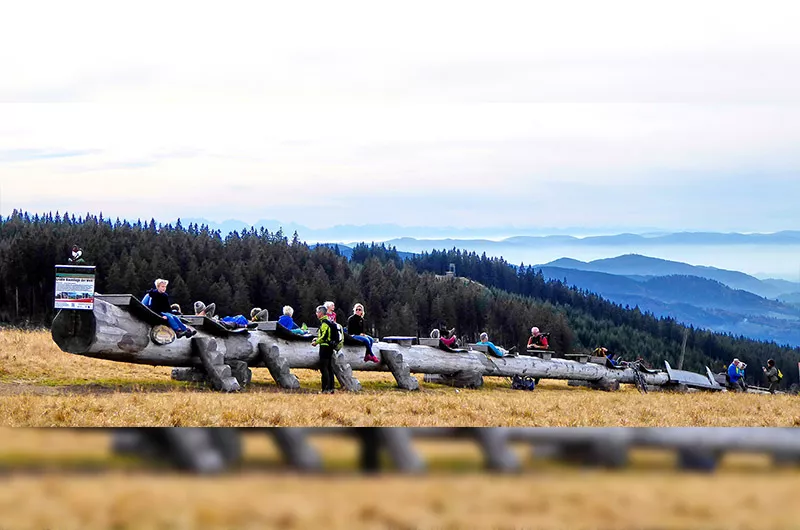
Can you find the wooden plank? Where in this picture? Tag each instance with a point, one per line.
(114, 299)
(424, 341)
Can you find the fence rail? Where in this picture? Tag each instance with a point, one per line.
(208, 450)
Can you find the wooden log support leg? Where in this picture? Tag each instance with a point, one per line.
(193, 449)
(699, 459)
(189, 375)
(278, 367)
(344, 373)
(465, 379)
(399, 445)
(219, 373)
(496, 451)
(294, 446)
(400, 371)
(241, 372)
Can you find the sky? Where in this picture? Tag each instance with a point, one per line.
(633, 115)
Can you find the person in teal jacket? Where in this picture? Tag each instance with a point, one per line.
(497, 351)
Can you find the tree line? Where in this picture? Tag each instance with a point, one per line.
(402, 296)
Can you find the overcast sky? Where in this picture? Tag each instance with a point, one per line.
(671, 115)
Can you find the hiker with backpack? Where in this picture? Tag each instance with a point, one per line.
(538, 340)
(327, 339)
(773, 374)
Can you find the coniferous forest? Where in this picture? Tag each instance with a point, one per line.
(258, 268)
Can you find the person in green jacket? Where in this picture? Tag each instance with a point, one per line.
(325, 341)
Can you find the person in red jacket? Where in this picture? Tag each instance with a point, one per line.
(537, 341)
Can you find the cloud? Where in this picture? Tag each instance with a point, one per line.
(442, 111)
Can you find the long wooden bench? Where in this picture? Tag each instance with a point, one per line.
(580, 357)
(545, 355)
(479, 347)
(402, 341)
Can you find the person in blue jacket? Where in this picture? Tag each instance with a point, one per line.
(288, 322)
(158, 301)
(736, 375)
(498, 352)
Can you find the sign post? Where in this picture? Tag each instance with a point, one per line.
(75, 287)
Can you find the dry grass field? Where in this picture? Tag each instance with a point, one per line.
(41, 386)
(650, 494)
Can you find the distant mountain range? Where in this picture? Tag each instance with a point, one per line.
(448, 236)
(707, 297)
(643, 267)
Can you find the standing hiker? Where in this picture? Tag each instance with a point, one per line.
(325, 341)
(773, 375)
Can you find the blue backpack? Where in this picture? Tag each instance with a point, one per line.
(523, 382)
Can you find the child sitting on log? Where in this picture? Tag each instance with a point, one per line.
(158, 301)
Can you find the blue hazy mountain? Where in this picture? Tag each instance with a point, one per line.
(643, 267)
(701, 302)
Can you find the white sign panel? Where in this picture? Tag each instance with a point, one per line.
(74, 287)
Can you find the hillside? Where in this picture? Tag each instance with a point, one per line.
(401, 295)
(692, 300)
(644, 266)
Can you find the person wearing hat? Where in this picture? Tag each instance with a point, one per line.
(537, 341)
(158, 301)
(234, 322)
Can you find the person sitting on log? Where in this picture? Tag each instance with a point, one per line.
(158, 301)
(234, 322)
(288, 322)
(259, 315)
(496, 350)
(538, 340)
(736, 376)
(330, 307)
(450, 341)
(203, 310)
(603, 352)
(355, 328)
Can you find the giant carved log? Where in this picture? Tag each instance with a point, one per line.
(119, 332)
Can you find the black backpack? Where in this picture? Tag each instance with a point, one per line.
(337, 335)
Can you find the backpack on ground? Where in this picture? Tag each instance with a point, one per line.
(523, 382)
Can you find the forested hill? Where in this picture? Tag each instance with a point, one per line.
(269, 270)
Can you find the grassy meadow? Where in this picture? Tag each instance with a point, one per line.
(41, 386)
(53, 479)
